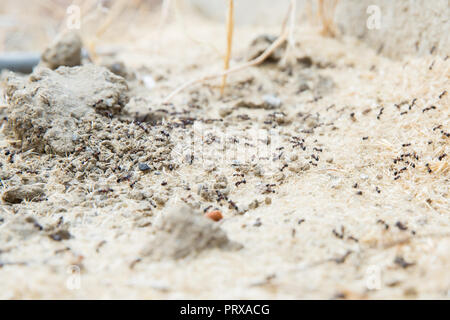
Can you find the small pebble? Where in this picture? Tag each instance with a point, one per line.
(148, 81)
(272, 101)
(144, 167)
(215, 215)
(60, 235)
(223, 112)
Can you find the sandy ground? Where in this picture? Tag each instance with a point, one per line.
(347, 198)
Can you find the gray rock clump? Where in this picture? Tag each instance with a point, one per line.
(65, 50)
(46, 109)
(25, 192)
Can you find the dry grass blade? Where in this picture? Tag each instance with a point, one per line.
(230, 27)
(326, 10)
(281, 39)
(258, 60)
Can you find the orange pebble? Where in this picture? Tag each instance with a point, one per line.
(214, 215)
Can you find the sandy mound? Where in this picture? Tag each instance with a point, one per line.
(181, 232)
(47, 108)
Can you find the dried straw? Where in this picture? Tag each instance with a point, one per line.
(230, 27)
(266, 54)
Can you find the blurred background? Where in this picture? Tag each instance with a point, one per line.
(406, 27)
(36, 20)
